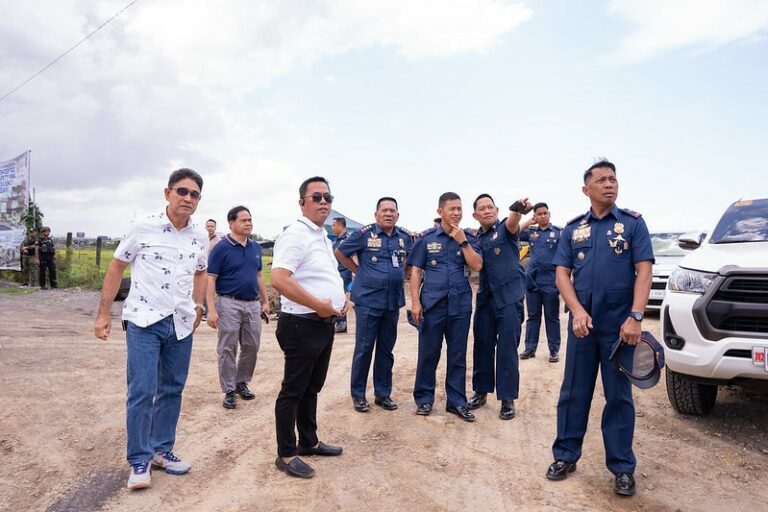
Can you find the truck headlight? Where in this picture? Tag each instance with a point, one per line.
(690, 281)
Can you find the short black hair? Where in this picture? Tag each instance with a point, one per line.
(378, 203)
(232, 214)
(437, 220)
(341, 220)
(447, 196)
(597, 165)
(540, 205)
(305, 185)
(211, 220)
(474, 204)
(182, 174)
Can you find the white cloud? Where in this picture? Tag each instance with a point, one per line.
(167, 83)
(661, 25)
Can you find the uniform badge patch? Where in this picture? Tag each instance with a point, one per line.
(618, 228)
(434, 247)
(618, 244)
(497, 251)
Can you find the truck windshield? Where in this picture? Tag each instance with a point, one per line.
(743, 221)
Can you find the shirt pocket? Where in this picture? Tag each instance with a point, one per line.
(581, 252)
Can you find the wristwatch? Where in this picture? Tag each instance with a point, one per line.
(637, 315)
(463, 244)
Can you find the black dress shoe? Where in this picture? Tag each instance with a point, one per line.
(323, 449)
(559, 470)
(553, 357)
(296, 467)
(361, 404)
(507, 409)
(477, 400)
(462, 413)
(424, 409)
(527, 354)
(624, 484)
(244, 392)
(385, 403)
(229, 400)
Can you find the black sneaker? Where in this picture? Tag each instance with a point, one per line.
(229, 400)
(527, 354)
(245, 393)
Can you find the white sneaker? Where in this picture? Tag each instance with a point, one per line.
(170, 463)
(140, 476)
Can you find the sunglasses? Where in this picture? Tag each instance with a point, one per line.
(183, 191)
(317, 197)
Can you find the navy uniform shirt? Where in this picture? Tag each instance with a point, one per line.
(543, 244)
(502, 274)
(602, 254)
(344, 272)
(45, 247)
(380, 268)
(445, 270)
(235, 267)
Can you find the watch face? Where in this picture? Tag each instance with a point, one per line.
(637, 316)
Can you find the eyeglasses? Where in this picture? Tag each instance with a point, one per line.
(183, 191)
(317, 197)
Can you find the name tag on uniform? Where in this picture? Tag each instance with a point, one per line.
(395, 263)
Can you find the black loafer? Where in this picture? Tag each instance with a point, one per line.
(624, 484)
(527, 354)
(361, 404)
(229, 400)
(245, 393)
(296, 467)
(553, 357)
(424, 409)
(477, 400)
(323, 449)
(385, 403)
(559, 470)
(507, 410)
(462, 413)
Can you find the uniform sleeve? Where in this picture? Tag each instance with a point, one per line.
(564, 255)
(289, 251)
(408, 242)
(641, 239)
(524, 235)
(418, 256)
(129, 246)
(215, 260)
(352, 244)
(474, 243)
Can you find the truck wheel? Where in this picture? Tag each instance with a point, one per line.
(689, 397)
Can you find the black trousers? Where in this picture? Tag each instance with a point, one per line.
(307, 346)
(50, 265)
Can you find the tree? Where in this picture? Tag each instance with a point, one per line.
(33, 217)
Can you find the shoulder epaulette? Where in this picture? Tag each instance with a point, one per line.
(578, 217)
(366, 228)
(631, 213)
(557, 227)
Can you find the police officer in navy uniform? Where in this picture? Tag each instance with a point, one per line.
(542, 291)
(608, 253)
(497, 317)
(442, 306)
(339, 228)
(377, 292)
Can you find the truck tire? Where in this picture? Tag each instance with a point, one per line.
(689, 397)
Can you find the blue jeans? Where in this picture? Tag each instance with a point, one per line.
(157, 370)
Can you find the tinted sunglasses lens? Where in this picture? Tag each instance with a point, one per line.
(183, 191)
(317, 197)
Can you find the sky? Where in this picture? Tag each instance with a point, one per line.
(402, 98)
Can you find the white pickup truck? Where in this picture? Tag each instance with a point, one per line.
(714, 318)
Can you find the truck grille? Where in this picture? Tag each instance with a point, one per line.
(740, 304)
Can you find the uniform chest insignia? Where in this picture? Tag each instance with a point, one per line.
(535, 235)
(551, 234)
(618, 244)
(374, 242)
(497, 251)
(618, 228)
(495, 235)
(609, 233)
(434, 247)
(402, 243)
(582, 233)
(583, 221)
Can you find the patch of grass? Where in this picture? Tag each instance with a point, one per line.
(13, 290)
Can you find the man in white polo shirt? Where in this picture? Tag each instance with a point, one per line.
(312, 295)
(168, 255)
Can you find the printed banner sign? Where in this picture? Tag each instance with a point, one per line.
(14, 199)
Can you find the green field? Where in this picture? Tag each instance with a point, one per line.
(79, 270)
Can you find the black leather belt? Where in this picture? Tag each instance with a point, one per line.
(312, 316)
(242, 299)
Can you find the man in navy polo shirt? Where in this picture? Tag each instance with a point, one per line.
(234, 266)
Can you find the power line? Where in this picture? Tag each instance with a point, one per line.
(57, 59)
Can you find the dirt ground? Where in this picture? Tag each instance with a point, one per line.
(62, 437)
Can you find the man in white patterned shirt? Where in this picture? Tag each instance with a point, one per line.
(168, 255)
